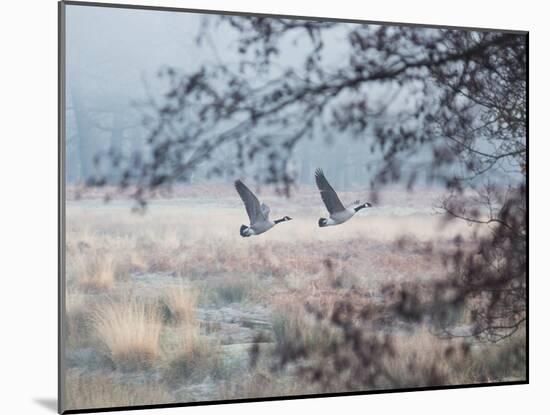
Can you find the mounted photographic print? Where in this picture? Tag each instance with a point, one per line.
(264, 207)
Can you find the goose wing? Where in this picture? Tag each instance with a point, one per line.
(251, 202)
(329, 196)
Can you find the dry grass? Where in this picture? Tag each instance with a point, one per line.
(263, 383)
(498, 362)
(111, 251)
(207, 244)
(77, 312)
(100, 391)
(94, 272)
(294, 328)
(421, 356)
(179, 304)
(130, 330)
(190, 357)
(232, 289)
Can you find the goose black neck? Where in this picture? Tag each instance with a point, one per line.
(276, 221)
(364, 205)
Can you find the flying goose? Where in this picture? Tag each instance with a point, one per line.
(258, 214)
(338, 213)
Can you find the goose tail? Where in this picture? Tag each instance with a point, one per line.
(244, 231)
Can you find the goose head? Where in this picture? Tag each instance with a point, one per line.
(363, 206)
(283, 219)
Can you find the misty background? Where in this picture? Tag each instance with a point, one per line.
(115, 59)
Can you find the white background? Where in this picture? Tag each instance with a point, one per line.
(28, 203)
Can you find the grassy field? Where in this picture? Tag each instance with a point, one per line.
(166, 306)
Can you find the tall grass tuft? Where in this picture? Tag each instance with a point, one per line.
(95, 272)
(179, 305)
(130, 331)
(197, 359)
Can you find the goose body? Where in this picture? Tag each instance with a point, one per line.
(257, 213)
(338, 213)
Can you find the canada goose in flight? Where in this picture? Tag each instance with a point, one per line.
(338, 213)
(258, 214)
